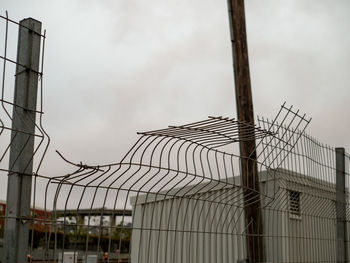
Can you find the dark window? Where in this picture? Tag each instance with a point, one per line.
(294, 203)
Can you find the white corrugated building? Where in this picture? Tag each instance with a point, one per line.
(205, 222)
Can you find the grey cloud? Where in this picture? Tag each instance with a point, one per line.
(116, 67)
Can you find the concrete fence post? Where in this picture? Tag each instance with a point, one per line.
(342, 255)
(18, 201)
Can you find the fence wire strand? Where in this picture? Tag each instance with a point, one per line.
(177, 195)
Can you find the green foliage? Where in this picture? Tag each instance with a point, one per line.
(122, 232)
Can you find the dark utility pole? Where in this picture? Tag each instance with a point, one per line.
(244, 102)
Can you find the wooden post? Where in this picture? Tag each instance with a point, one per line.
(244, 103)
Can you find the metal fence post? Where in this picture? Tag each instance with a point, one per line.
(341, 205)
(22, 142)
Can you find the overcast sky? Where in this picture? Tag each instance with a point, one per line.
(115, 67)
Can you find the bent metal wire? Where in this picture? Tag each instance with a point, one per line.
(177, 195)
(181, 186)
(7, 106)
(9, 132)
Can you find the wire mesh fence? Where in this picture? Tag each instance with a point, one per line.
(10, 107)
(178, 194)
(305, 214)
(22, 135)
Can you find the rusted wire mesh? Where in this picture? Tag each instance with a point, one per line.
(182, 187)
(15, 119)
(10, 68)
(177, 194)
(303, 218)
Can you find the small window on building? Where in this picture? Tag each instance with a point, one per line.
(294, 204)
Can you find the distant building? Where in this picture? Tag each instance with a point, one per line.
(41, 219)
(205, 222)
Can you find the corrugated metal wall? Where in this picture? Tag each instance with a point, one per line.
(209, 227)
(200, 228)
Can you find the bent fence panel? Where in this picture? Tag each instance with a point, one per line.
(178, 195)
